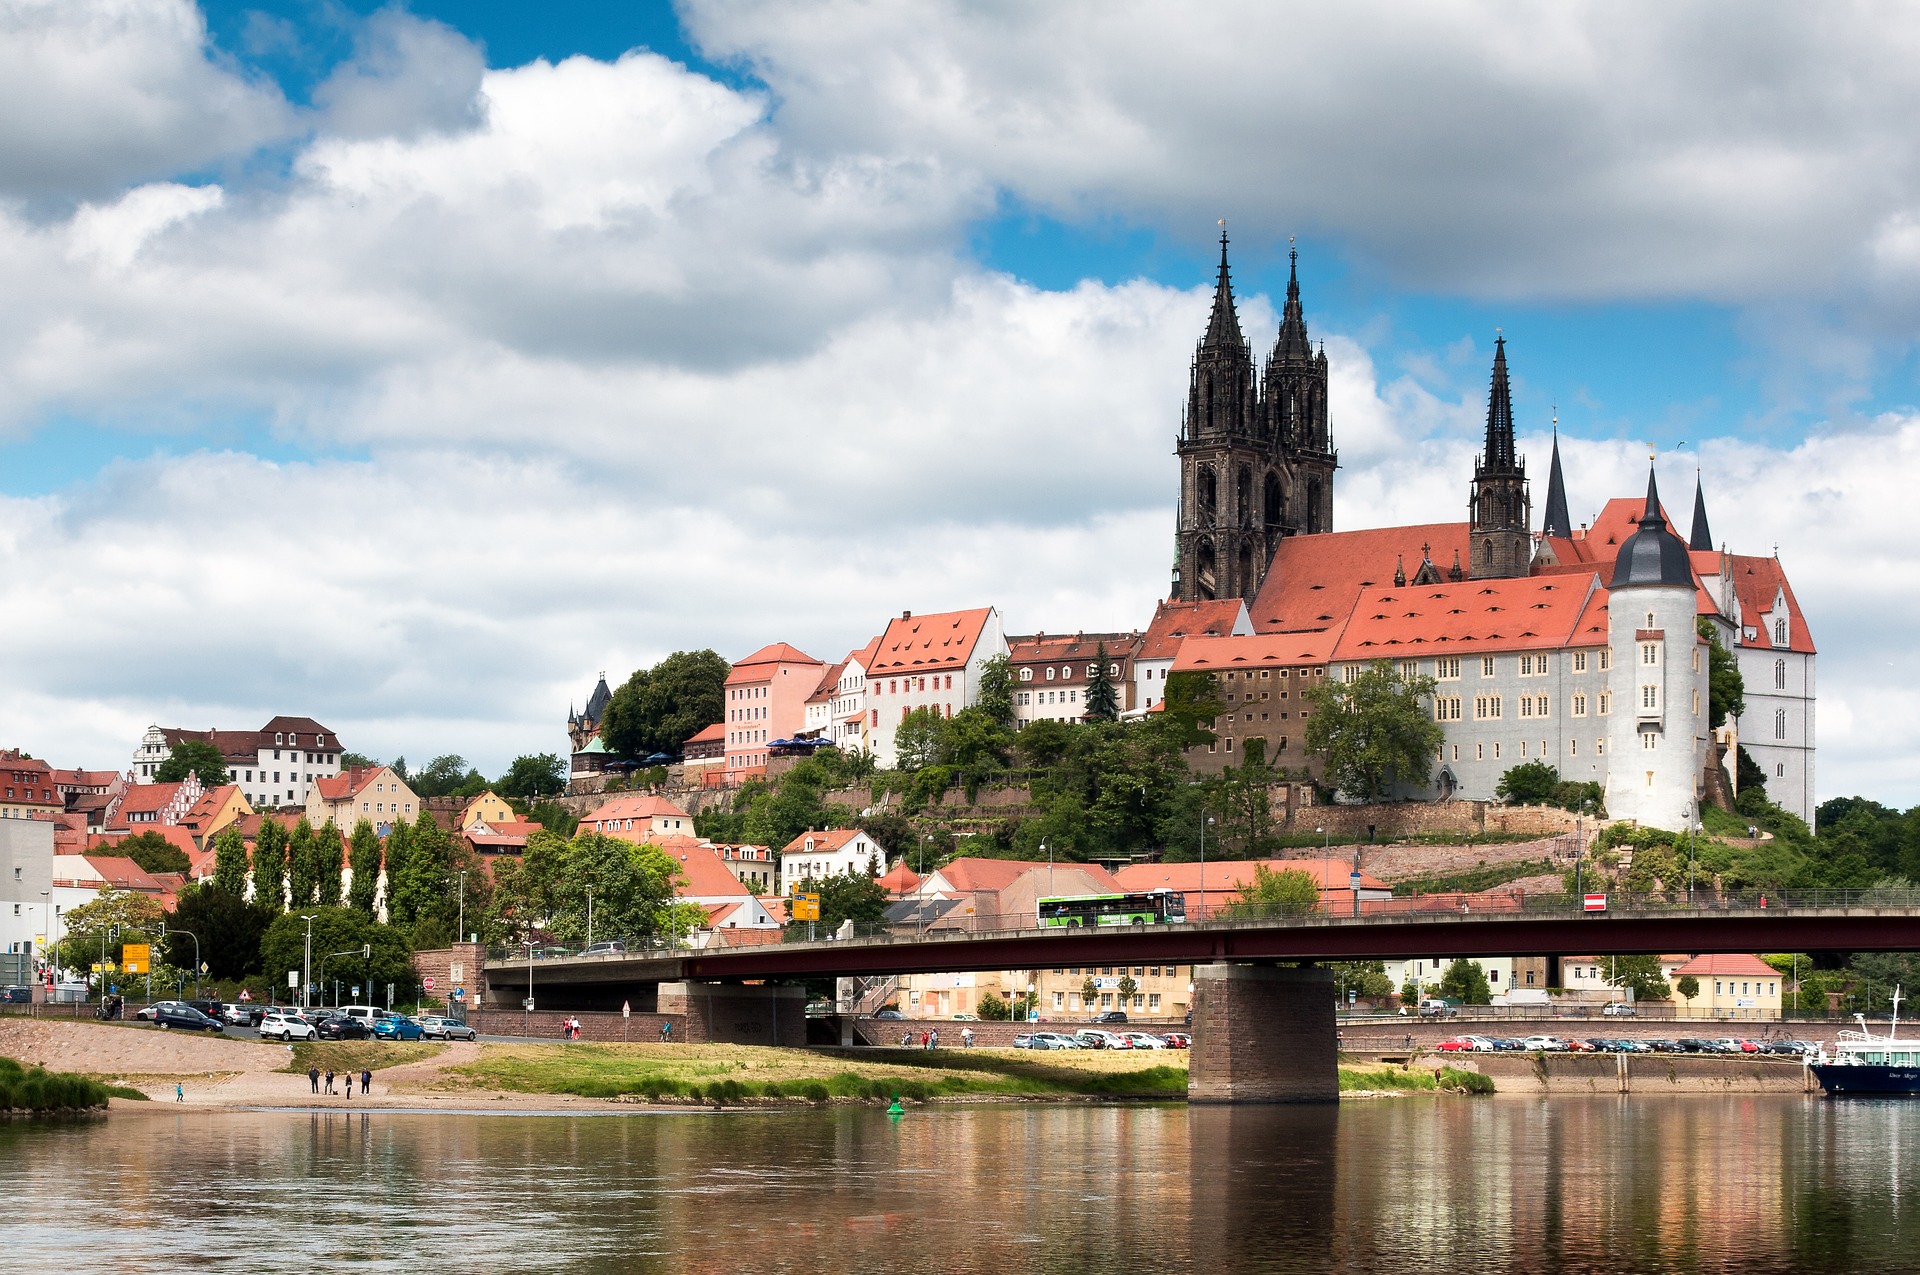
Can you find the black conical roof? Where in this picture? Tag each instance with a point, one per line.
(1499, 455)
(1292, 343)
(1223, 327)
(1559, 522)
(1701, 538)
(1652, 555)
(597, 702)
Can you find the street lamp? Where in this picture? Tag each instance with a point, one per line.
(462, 923)
(164, 931)
(306, 964)
(589, 916)
(527, 1031)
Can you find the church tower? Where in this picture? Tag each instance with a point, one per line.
(1255, 466)
(1500, 509)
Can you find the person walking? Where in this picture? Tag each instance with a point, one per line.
(966, 1038)
(366, 1081)
(329, 1080)
(313, 1078)
(179, 1092)
(349, 1079)
(933, 1041)
(666, 1031)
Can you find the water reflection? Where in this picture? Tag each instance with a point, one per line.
(1763, 1183)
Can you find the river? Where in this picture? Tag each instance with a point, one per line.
(1642, 1183)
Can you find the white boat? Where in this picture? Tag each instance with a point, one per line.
(1863, 1063)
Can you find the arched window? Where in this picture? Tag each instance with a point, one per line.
(1780, 675)
(1779, 632)
(1649, 619)
(1243, 497)
(1779, 723)
(1275, 502)
(1209, 498)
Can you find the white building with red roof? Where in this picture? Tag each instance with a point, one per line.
(639, 818)
(766, 700)
(274, 766)
(1052, 672)
(374, 793)
(1173, 623)
(830, 852)
(927, 661)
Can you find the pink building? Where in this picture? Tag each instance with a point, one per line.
(766, 700)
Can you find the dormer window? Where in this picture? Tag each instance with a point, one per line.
(279, 739)
(1779, 632)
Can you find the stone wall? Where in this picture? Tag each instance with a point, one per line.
(1262, 1034)
(1641, 1073)
(737, 1013)
(1395, 819)
(545, 1024)
(462, 965)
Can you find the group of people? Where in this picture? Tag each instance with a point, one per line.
(314, 1077)
(930, 1039)
(570, 1028)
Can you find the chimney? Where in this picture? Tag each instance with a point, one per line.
(906, 615)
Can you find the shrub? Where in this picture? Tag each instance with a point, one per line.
(815, 1092)
(37, 1089)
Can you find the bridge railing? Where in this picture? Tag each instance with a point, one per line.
(959, 925)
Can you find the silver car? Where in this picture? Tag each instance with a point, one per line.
(433, 1027)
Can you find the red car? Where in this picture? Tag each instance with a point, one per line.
(1177, 1040)
(1455, 1045)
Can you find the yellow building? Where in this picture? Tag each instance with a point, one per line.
(487, 808)
(373, 793)
(1731, 986)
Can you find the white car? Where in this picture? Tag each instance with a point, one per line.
(436, 1028)
(1141, 1040)
(280, 1026)
(1479, 1044)
(1549, 1044)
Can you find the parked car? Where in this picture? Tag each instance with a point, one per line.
(397, 1027)
(16, 996)
(1025, 1041)
(342, 1027)
(433, 1027)
(1112, 1016)
(1057, 1041)
(889, 1012)
(285, 1024)
(146, 1013)
(1094, 1038)
(1619, 1009)
(1142, 1040)
(1432, 1008)
(1479, 1044)
(1178, 1040)
(1454, 1044)
(1546, 1044)
(966, 1018)
(611, 947)
(171, 1015)
(212, 1009)
(1508, 1044)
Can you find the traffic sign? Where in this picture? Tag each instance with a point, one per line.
(137, 957)
(626, 1009)
(1596, 903)
(427, 982)
(806, 907)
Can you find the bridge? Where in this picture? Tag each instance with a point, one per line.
(1261, 1032)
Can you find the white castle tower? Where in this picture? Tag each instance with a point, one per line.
(1657, 723)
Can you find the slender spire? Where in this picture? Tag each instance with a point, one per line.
(1701, 537)
(1223, 328)
(1292, 343)
(1499, 448)
(1558, 521)
(1652, 512)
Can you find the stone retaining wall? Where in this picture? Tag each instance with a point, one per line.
(545, 1024)
(1640, 1073)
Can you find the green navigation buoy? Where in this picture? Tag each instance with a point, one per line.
(896, 1109)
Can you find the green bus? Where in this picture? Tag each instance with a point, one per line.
(1154, 907)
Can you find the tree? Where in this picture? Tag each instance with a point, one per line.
(1639, 974)
(303, 858)
(1126, 987)
(90, 927)
(228, 927)
(1288, 892)
(1374, 731)
(1102, 702)
(424, 878)
(1466, 982)
(539, 775)
(193, 756)
(555, 817)
(994, 1008)
(658, 709)
(1726, 688)
(1188, 708)
(1043, 742)
(1367, 980)
(1089, 992)
(360, 761)
(996, 691)
(920, 740)
(1532, 783)
(1243, 797)
(230, 861)
(1688, 986)
(328, 852)
(340, 930)
(847, 896)
(270, 864)
(444, 777)
(153, 852)
(363, 856)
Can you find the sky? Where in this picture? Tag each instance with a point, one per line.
(405, 366)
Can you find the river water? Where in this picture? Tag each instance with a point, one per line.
(1640, 1183)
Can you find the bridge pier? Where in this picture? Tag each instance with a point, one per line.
(1262, 1034)
(738, 1014)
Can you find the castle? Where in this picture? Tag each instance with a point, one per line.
(1584, 647)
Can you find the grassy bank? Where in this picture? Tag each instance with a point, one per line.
(34, 1089)
(358, 1055)
(719, 1073)
(1414, 1080)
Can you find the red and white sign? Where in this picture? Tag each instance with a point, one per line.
(1596, 903)
(427, 982)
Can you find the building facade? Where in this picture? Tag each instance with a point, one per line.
(766, 699)
(927, 661)
(274, 766)
(1053, 671)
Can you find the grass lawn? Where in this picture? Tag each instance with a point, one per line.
(1414, 1080)
(729, 1074)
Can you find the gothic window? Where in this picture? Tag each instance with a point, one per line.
(1243, 497)
(1780, 675)
(1275, 503)
(1246, 566)
(1204, 565)
(1209, 498)
(1314, 521)
(1779, 632)
(1779, 723)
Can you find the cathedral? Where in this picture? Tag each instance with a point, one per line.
(1584, 646)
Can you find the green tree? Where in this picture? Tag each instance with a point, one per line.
(847, 896)
(230, 861)
(1188, 708)
(1043, 743)
(193, 756)
(328, 855)
(920, 740)
(1466, 982)
(303, 860)
(1287, 892)
(1243, 796)
(1103, 703)
(1126, 987)
(1639, 974)
(444, 777)
(340, 930)
(1726, 688)
(994, 1008)
(424, 878)
(533, 777)
(1531, 783)
(1688, 986)
(137, 916)
(976, 747)
(363, 856)
(153, 852)
(229, 929)
(556, 818)
(1089, 992)
(1374, 731)
(996, 691)
(658, 709)
(270, 864)
(360, 761)
(1367, 980)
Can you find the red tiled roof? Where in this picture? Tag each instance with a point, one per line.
(707, 876)
(829, 682)
(1314, 580)
(124, 874)
(1262, 650)
(347, 784)
(636, 807)
(900, 879)
(1045, 648)
(1173, 621)
(1755, 581)
(1231, 874)
(864, 656)
(1723, 964)
(1526, 613)
(967, 875)
(924, 643)
(754, 667)
(717, 731)
(141, 798)
(825, 841)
